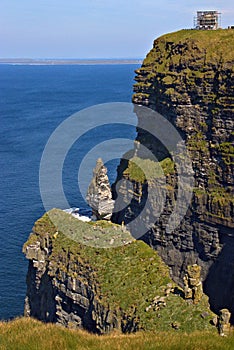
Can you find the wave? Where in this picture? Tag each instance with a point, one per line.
(75, 213)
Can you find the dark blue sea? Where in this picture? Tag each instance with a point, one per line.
(34, 101)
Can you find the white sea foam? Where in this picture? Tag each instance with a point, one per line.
(75, 213)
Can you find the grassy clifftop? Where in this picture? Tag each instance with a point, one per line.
(216, 45)
(125, 279)
(180, 61)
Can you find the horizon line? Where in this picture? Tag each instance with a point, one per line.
(68, 61)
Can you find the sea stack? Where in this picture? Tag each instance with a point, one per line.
(99, 195)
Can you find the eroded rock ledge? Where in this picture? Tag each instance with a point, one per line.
(79, 286)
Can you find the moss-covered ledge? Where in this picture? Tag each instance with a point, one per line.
(110, 287)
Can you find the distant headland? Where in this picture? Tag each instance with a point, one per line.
(55, 61)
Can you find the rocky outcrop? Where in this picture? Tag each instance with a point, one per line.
(78, 286)
(193, 285)
(224, 326)
(188, 78)
(99, 195)
(61, 287)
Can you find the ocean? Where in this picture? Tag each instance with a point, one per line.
(34, 101)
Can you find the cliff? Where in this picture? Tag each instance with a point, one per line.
(127, 287)
(188, 78)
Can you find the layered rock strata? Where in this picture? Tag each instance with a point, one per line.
(79, 286)
(188, 78)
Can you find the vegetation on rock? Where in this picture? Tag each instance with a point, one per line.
(188, 77)
(29, 334)
(142, 170)
(125, 279)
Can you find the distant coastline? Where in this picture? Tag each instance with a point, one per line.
(28, 61)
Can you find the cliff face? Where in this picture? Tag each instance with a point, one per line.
(126, 287)
(188, 78)
(61, 283)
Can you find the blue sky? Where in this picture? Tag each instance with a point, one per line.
(95, 28)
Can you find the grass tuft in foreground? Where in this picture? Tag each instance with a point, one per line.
(29, 334)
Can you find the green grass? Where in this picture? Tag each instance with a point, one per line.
(198, 143)
(227, 151)
(188, 59)
(100, 234)
(220, 201)
(29, 334)
(126, 278)
(142, 170)
(216, 44)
